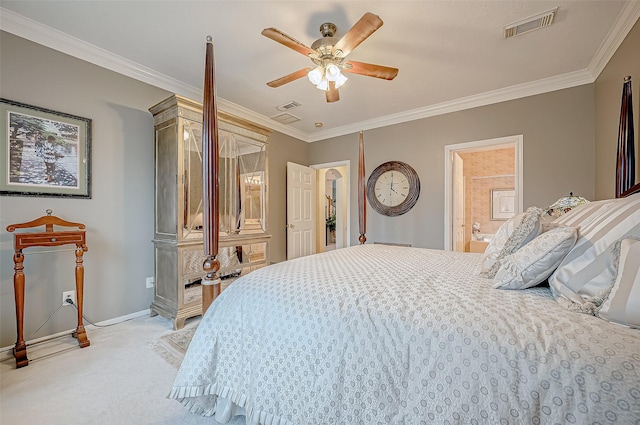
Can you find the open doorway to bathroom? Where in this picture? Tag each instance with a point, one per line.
(332, 206)
(483, 190)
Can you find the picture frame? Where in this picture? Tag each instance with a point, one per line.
(503, 204)
(45, 152)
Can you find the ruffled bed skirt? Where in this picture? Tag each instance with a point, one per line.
(223, 404)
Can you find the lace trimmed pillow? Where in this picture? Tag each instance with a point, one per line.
(534, 262)
(513, 234)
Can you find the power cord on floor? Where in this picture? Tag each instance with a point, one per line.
(45, 322)
(10, 350)
(68, 301)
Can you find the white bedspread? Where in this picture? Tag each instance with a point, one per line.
(378, 334)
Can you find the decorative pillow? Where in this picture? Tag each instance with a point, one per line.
(588, 268)
(535, 261)
(564, 205)
(592, 305)
(623, 304)
(513, 234)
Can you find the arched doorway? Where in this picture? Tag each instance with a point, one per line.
(332, 209)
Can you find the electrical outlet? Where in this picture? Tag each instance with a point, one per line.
(150, 282)
(68, 295)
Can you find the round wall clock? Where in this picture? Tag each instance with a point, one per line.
(393, 188)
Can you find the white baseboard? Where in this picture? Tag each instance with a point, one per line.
(7, 352)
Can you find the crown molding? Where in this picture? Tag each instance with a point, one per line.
(62, 42)
(241, 111)
(31, 30)
(34, 31)
(627, 18)
(545, 85)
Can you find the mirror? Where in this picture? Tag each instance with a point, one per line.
(192, 178)
(242, 182)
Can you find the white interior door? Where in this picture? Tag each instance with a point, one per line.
(340, 214)
(458, 202)
(301, 220)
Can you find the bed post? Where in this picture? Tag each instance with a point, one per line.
(625, 164)
(362, 192)
(211, 281)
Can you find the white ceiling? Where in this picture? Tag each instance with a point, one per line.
(451, 54)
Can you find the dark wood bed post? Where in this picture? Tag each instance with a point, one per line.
(362, 192)
(626, 161)
(211, 281)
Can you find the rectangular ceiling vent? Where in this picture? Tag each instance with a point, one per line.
(288, 106)
(285, 118)
(531, 23)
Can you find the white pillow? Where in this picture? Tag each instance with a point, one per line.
(535, 261)
(623, 304)
(588, 268)
(513, 234)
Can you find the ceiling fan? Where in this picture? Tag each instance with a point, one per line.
(329, 56)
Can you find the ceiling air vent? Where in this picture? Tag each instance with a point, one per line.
(285, 118)
(531, 23)
(288, 106)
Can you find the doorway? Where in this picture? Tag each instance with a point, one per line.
(483, 188)
(332, 205)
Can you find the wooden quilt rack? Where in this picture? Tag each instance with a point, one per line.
(47, 238)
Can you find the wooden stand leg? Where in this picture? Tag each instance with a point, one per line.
(20, 349)
(80, 333)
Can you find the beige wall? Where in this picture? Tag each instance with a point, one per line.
(558, 152)
(608, 89)
(282, 149)
(119, 216)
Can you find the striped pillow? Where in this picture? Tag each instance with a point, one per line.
(623, 304)
(588, 268)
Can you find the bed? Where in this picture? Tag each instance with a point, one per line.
(523, 333)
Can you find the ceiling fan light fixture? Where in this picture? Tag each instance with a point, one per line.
(332, 72)
(340, 80)
(323, 85)
(328, 56)
(316, 75)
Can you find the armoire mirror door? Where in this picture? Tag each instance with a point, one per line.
(241, 179)
(242, 185)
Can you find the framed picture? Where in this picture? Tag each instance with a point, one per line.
(44, 152)
(503, 204)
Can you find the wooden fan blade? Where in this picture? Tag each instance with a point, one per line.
(332, 92)
(370, 70)
(290, 42)
(358, 33)
(289, 78)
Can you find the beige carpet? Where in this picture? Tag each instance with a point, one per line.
(118, 380)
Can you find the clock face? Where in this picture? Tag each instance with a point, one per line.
(393, 188)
